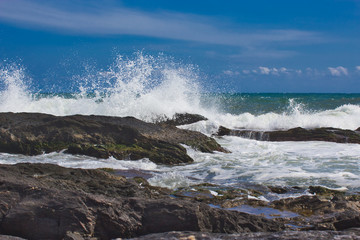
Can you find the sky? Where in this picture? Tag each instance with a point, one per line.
(237, 46)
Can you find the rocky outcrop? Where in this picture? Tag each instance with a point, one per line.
(44, 201)
(184, 118)
(296, 134)
(99, 136)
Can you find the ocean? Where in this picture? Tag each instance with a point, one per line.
(154, 88)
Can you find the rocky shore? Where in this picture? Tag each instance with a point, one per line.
(45, 201)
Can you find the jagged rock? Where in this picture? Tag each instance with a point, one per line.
(184, 118)
(296, 134)
(45, 201)
(99, 136)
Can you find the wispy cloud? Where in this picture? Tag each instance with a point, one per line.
(357, 68)
(117, 20)
(338, 71)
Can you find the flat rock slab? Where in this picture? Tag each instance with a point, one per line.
(99, 136)
(296, 134)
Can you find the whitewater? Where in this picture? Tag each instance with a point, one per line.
(152, 88)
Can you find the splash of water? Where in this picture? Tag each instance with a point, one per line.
(14, 95)
(143, 86)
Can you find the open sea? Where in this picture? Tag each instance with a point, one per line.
(151, 89)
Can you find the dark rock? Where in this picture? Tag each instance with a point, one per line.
(285, 235)
(223, 131)
(296, 134)
(304, 205)
(346, 220)
(45, 201)
(278, 189)
(323, 191)
(184, 118)
(339, 213)
(99, 136)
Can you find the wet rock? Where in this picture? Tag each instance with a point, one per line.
(45, 201)
(184, 118)
(326, 192)
(278, 189)
(304, 205)
(99, 136)
(339, 213)
(298, 235)
(296, 134)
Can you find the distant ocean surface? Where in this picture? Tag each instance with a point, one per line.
(152, 89)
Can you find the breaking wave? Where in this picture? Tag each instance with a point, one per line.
(152, 87)
(144, 86)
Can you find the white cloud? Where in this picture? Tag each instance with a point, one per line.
(103, 19)
(277, 71)
(231, 73)
(283, 70)
(264, 70)
(357, 68)
(273, 71)
(338, 71)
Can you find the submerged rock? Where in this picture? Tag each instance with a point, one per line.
(99, 136)
(45, 201)
(296, 134)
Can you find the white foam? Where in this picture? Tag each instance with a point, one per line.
(77, 161)
(345, 117)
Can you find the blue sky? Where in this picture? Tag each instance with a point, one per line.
(242, 46)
